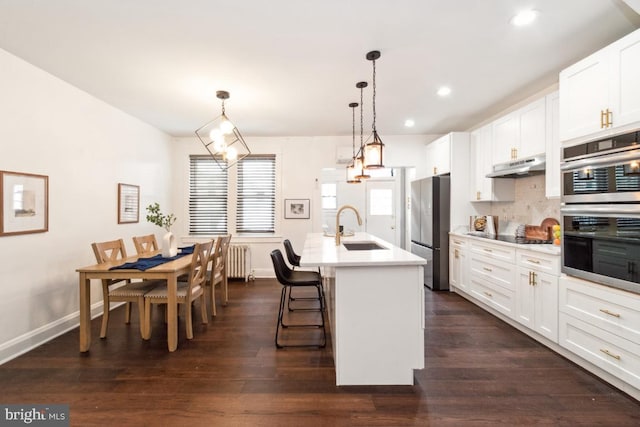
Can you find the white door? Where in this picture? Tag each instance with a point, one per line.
(381, 215)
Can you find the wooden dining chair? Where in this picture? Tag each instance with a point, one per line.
(187, 292)
(215, 275)
(145, 244)
(128, 292)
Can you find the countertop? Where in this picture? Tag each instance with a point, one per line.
(543, 248)
(321, 250)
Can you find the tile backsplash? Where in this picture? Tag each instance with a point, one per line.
(531, 206)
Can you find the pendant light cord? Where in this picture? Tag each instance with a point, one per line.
(353, 133)
(374, 95)
(361, 116)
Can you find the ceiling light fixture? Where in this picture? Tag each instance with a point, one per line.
(409, 123)
(351, 169)
(523, 18)
(444, 91)
(358, 160)
(373, 150)
(222, 138)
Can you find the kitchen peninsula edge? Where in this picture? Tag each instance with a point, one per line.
(375, 307)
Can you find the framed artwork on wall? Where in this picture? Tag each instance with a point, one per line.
(25, 203)
(128, 203)
(296, 208)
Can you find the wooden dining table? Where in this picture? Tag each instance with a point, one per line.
(169, 271)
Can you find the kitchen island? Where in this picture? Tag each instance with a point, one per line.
(375, 300)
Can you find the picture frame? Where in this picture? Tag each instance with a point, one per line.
(24, 207)
(296, 209)
(128, 203)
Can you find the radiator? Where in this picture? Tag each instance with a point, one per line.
(239, 262)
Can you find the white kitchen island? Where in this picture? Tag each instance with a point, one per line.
(375, 304)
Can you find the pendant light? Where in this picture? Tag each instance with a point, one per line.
(373, 150)
(358, 160)
(351, 170)
(222, 138)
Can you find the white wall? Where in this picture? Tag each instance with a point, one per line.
(300, 161)
(86, 148)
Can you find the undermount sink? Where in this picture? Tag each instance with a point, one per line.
(362, 246)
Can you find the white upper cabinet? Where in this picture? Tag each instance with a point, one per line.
(600, 95)
(521, 133)
(485, 189)
(439, 156)
(552, 171)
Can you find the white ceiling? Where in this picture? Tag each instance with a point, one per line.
(291, 65)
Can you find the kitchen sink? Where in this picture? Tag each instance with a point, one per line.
(362, 246)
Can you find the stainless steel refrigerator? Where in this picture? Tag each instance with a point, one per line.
(430, 201)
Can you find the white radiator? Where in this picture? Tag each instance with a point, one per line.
(239, 262)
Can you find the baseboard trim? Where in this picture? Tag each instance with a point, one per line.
(32, 339)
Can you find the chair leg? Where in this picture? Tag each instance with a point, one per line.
(214, 311)
(127, 315)
(105, 318)
(283, 302)
(141, 317)
(188, 320)
(203, 308)
(225, 284)
(147, 318)
(283, 295)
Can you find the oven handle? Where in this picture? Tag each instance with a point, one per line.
(601, 161)
(630, 210)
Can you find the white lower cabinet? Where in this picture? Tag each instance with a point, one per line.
(537, 292)
(601, 325)
(458, 263)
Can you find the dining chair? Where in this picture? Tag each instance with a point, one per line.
(187, 292)
(128, 292)
(290, 279)
(218, 273)
(145, 244)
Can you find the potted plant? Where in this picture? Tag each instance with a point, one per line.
(155, 216)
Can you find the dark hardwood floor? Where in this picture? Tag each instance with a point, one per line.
(479, 371)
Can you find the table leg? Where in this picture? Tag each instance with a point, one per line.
(172, 312)
(85, 312)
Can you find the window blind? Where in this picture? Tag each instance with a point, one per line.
(207, 197)
(256, 206)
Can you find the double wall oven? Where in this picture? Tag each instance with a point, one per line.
(601, 211)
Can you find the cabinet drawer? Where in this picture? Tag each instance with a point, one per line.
(457, 242)
(539, 261)
(505, 253)
(498, 272)
(495, 296)
(612, 310)
(613, 354)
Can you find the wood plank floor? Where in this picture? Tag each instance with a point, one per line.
(479, 371)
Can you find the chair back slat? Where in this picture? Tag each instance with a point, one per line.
(111, 251)
(145, 244)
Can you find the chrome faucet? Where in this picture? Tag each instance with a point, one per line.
(338, 220)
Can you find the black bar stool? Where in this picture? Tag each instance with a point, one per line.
(289, 279)
(294, 260)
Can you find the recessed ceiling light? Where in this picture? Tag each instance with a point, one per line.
(409, 123)
(444, 91)
(525, 17)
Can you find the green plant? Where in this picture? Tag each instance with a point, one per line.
(156, 217)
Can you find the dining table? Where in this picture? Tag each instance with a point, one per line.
(169, 271)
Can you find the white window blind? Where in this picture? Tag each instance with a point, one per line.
(207, 197)
(256, 205)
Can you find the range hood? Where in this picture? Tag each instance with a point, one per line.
(534, 165)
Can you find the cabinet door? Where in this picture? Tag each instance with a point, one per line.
(584, 94)
(481, 164)
(546, 305)
(525, 298)
(532, 129)
(506, 134)
(458, 271)
(441, 155)
(552, 173)
(625, 90)
(430, 160)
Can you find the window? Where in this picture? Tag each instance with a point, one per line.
(215, 208)
(256, 208)
(329, 195)
(207, 197)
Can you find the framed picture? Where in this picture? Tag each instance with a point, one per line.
(25, 203)
(296, 208)
(128, 203)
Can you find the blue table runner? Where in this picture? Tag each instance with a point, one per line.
(144, 264)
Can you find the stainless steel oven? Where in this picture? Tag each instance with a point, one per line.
(601, 211)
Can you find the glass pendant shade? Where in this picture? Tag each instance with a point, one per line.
(222, 139)
(373, 153)
(351, 174)
(358, 164)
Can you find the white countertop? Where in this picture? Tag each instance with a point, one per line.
(543, 248)
(320, 250)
